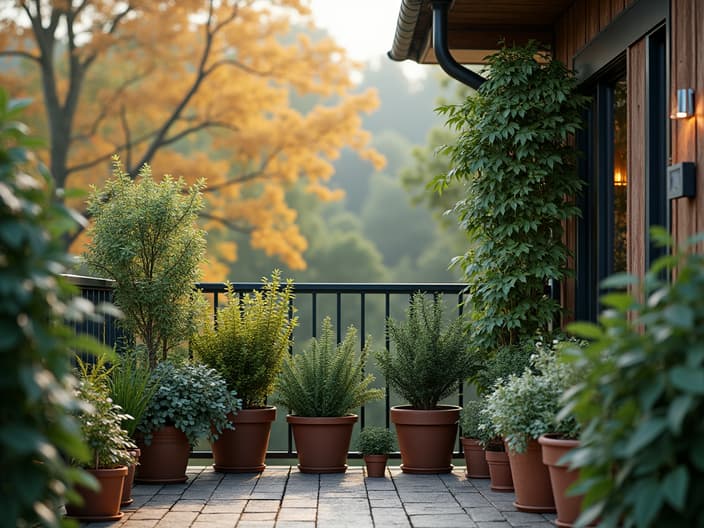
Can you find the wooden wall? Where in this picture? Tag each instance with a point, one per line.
(687, 71)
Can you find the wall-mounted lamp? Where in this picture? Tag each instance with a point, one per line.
(685, 104)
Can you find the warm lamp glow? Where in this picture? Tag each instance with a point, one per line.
(685, 104)
(620, 178)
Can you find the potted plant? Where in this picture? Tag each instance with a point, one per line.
(109, 446)
(425, 366)
(375, 444)
(191, 401)
(131, 386)
(322, 386)
(474, 455)
(640, 399)
(247, 348)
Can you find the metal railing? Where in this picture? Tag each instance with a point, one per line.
(366, 305)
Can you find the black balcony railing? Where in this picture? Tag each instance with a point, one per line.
(365, 305)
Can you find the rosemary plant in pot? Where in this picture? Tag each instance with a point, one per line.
(425, 366)
(191, 401)
(110, 447)
(322, 386)
(375, 443)
(248, 346)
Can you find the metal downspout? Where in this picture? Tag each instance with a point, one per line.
(442, 51)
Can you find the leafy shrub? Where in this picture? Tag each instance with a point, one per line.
(506, 361)
(101, 427)
(375, 440)
(192, 398)
(251, 340)
(38, 434)
(429, 359)
(526, 406)
(325, 379)
(470, 418)
(144, 237)
(641, 402)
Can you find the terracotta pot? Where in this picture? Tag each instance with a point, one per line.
(475, 459)
(104, 504)
(129, 480)
(322, 443)
(376, 465)
(499, 470)
(531, 480)
(165, 460)
(561, 478)
(426, 438)
(243, 450)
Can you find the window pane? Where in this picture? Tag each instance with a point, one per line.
(620, 179)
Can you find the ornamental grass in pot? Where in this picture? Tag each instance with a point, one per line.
(424, 366)
(474, 455)
(375, 444)
(109, 445)
(247, 348)
(191, 401)
(322, 386)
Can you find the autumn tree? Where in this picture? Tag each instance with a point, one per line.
(195, 88)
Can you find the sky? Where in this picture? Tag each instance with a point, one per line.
(364, 27)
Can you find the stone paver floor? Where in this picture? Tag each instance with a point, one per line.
(282, 497)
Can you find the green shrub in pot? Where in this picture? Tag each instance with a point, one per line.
(374, 440)
(641, 399)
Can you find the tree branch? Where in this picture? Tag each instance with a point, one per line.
(20, 53)
(230, 224)
(128, 135)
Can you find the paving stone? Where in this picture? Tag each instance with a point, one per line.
(256, 524)
(188, 505)
(390, 517)
(516, 518)
(421, 508)
(417, 496)
(162, 501)
(262, 506)
(258, 516)
(145, 489)
(473, 500)
(224, 507)
(294, 502)
(294, 524)
(177, 519)
(297, 514)
(216, 520)
(139, 523)
(442, 521)
(492, 524)
(266, 495)
(147, 513)
(485, 514)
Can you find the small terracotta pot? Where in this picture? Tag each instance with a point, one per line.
(561, 478)
(322, 443)
(129, 479)
(499, 470)
(376, 465)
(475, 458)
(164, 461)
(426, 438)
(531, 480)
(243, 450)
(104, 504)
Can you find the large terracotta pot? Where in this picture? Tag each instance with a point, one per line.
(475, 459)
(531, 480)
(104, 504)
(165, 460)
(499, 470)
(322, 443)
(376, 465)
(426, 438)
(129, 480)
(561, 478)
(243, 450)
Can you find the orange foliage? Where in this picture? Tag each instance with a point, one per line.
(199, 89)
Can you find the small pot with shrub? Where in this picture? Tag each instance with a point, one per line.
(375, 444)
(473, 451)
(322, 386)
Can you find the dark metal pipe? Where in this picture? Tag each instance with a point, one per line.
(442, 51)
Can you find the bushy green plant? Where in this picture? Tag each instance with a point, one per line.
(38, 432)
(374, 440)
(523, 407)
(326, 379)
(470, 418)
(641, 400)
(429, 358)
(513, 155)
(132, 386)
(144, 236)
(101, 427)
(252, 338)
(504, 362)
(191, 397)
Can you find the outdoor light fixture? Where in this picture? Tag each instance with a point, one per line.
(685, 104)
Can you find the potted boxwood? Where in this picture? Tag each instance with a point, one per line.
(494, 451)
(474, 455)
(375, 443)
(109, 445)
(191, 401)
(131, 386)
(247, 348)
(425, 366)
(322, 386)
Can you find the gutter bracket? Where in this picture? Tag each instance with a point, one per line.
(442, 51)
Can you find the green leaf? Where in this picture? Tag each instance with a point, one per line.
(675, 486)
(677, 412)
(620, 301)
(648, 501)
(688, 379)
(646, 432)
(619, 281)
(585, 330)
